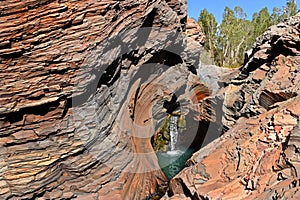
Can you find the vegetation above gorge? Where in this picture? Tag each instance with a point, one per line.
(227, 42)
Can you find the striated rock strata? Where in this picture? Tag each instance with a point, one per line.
(83, 87)
(258, 157)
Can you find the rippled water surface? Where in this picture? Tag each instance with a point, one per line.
(173, 162)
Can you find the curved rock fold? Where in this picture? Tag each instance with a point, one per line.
(82, 89)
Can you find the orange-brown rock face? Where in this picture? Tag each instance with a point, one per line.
(193, 31)
(258, 157)
(82, 88)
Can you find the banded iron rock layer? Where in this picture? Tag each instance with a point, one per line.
(258, 157)
(82, 89)
(84, 85)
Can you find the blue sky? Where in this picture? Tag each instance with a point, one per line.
(217, 6)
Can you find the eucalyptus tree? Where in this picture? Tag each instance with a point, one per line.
(227, 42)
(289, 9)
(276, 15)
(233, 36)
(209, 26)
(261, 21)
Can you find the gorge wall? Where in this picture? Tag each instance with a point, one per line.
(82, 89)
(84, 85)
(258, 156)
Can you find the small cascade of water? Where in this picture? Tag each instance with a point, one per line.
(173, 160)
(173, 132)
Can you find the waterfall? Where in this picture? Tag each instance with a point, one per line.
(173, 132)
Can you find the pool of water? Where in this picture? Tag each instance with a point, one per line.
(172, 162)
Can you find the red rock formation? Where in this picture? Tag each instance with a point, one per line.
(258, 157)
(82, 84)
(193, 31)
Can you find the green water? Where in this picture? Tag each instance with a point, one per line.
(172, 162)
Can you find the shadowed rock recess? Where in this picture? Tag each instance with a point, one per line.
(82, 90)
(258, 156)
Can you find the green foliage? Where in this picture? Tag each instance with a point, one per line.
(162, 138)
(227, 42)
(181, 122)
(260, 22)
(209, 25)
(233, 36)
(290, 9)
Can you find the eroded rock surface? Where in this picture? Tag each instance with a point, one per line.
(258, 157)
(82, 88)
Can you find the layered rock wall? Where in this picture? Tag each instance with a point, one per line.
(82, 89)
(258, 157)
